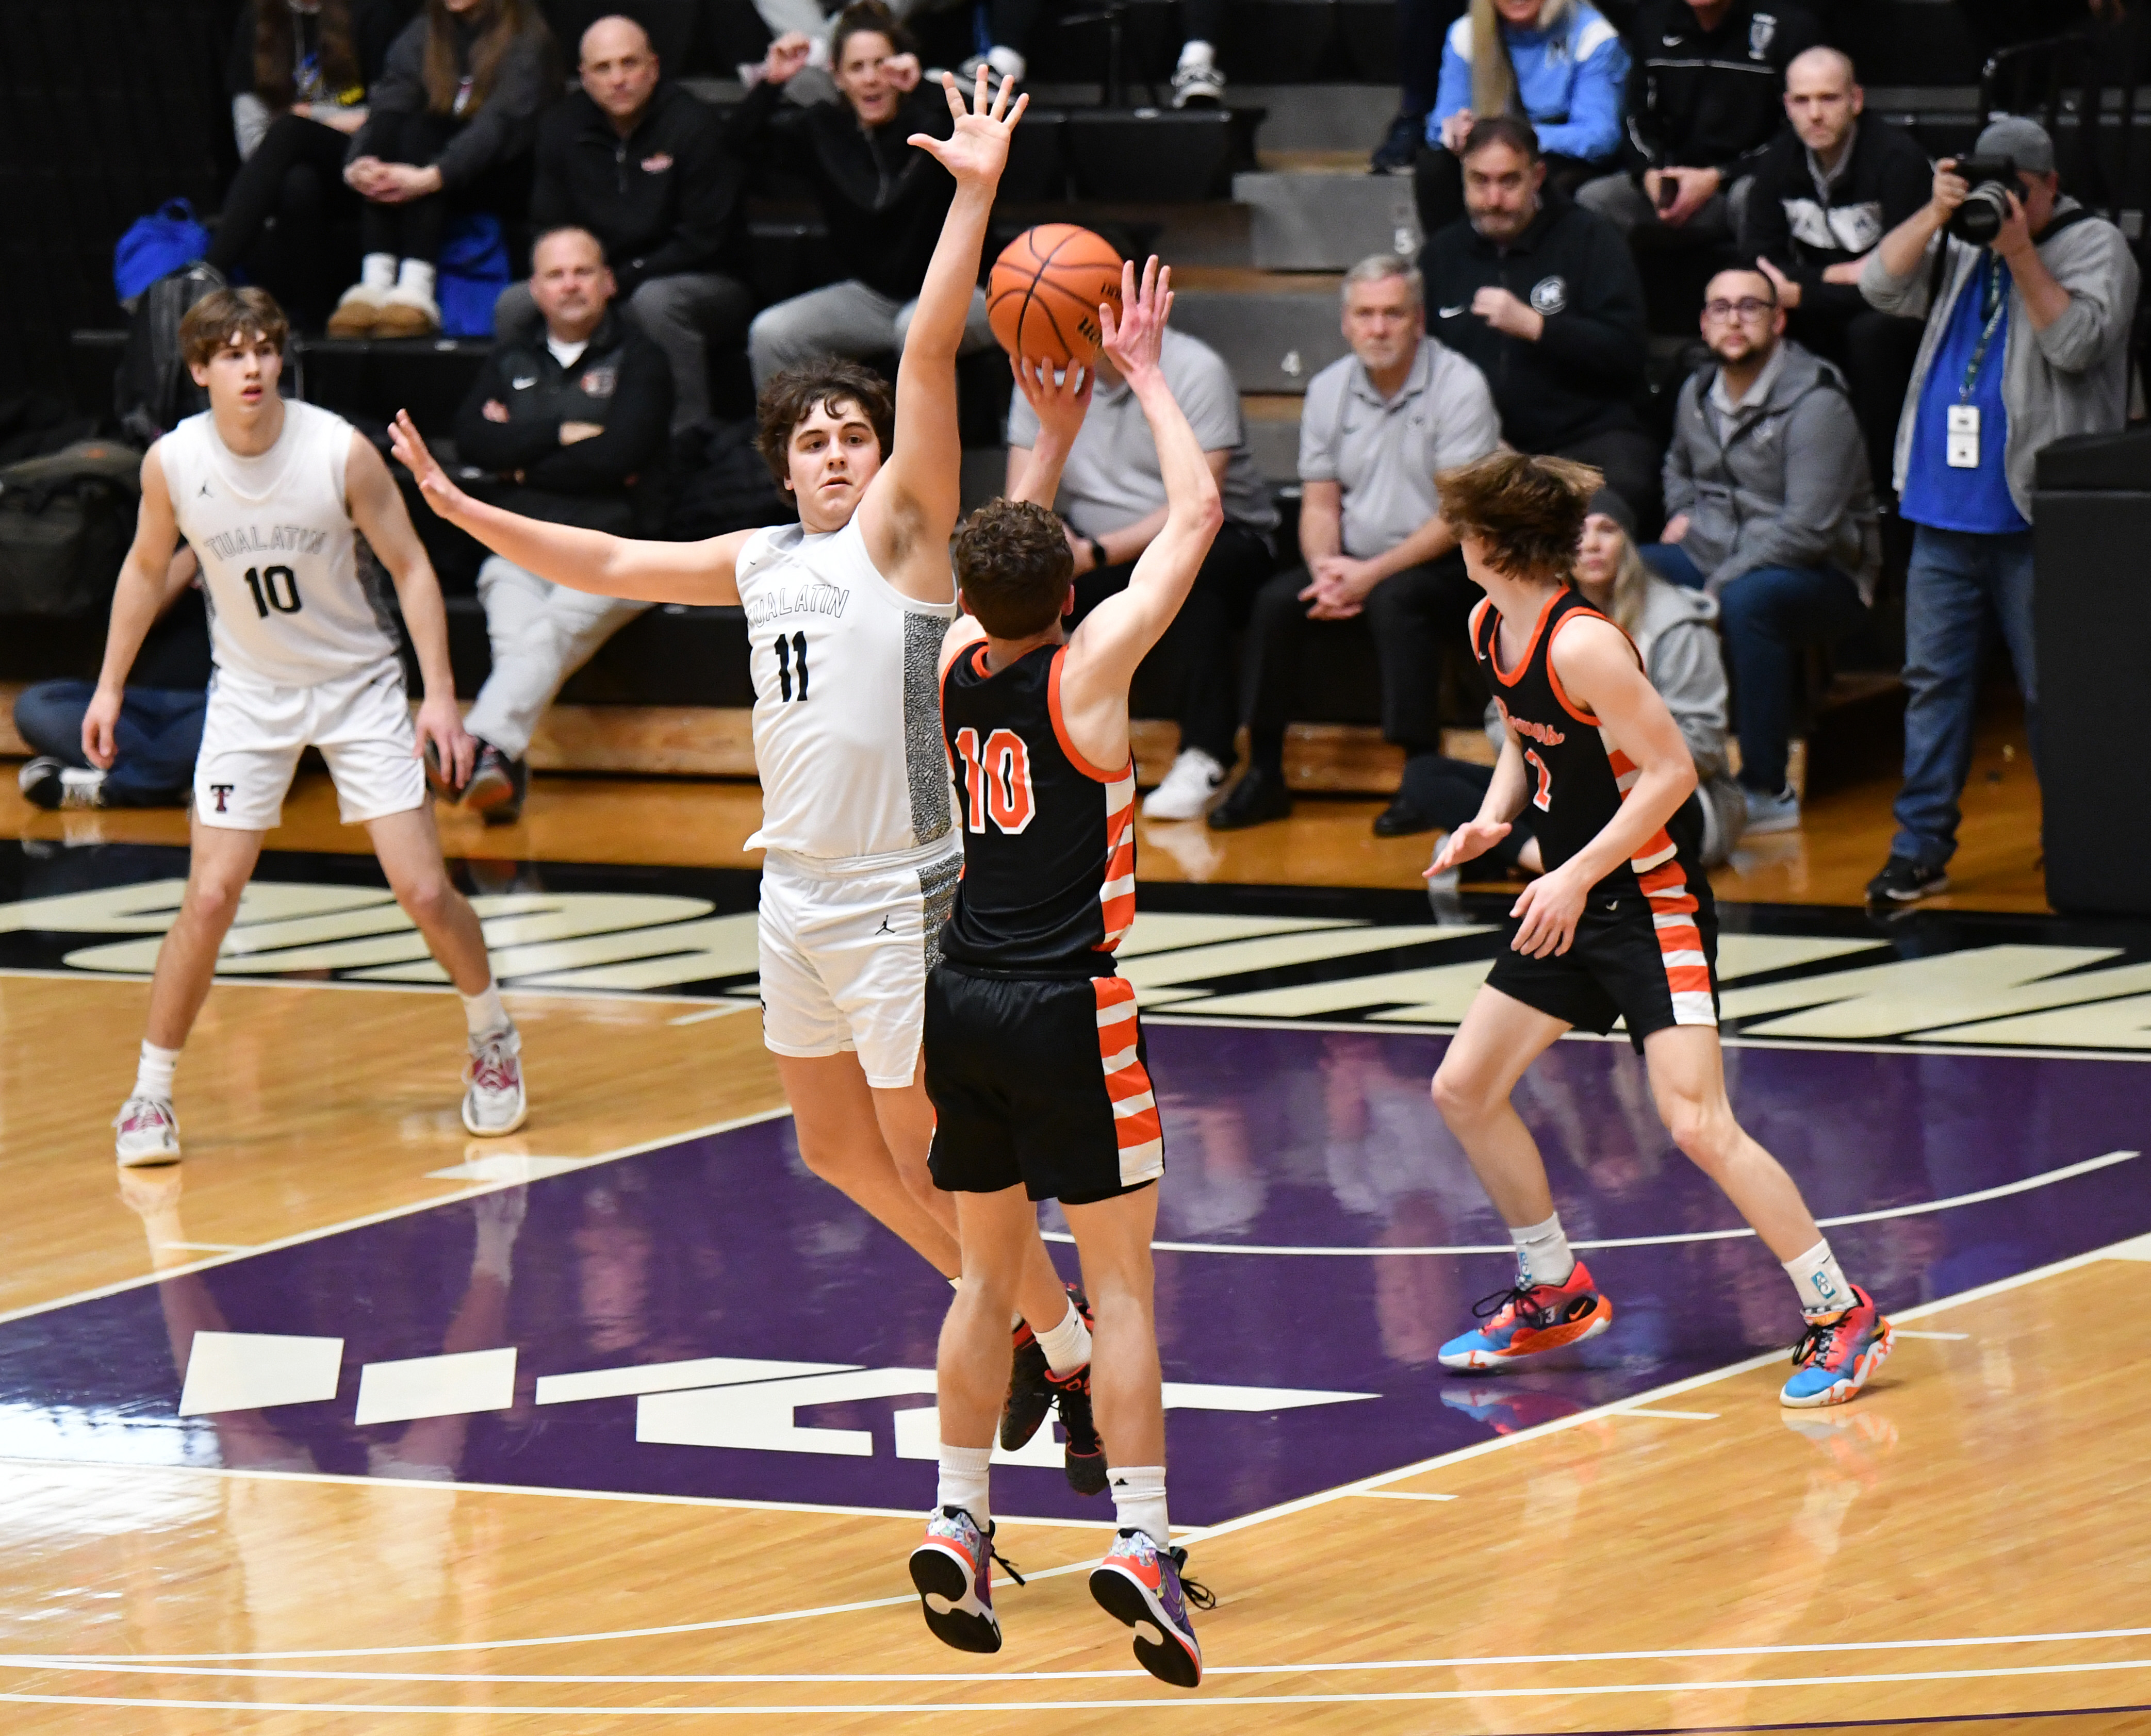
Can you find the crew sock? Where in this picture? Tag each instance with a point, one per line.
(482, 1011)
(1139, 1501)
(963, 1475)
(1067, 1347)
(377, 272)
(1823, 1287)
(1542, 1255)
(416, 276)
(153, 1076)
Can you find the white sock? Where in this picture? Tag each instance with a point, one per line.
(964, 1473)
(1067, 1347)
(417, 276)
(482, 1011)
(1542, 1255)
(1139, 1501)
(153, 1076)
(1823, 1287)
(1194, 52)
(378, 272)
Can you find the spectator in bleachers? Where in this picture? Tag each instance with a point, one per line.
(1773, 513)
(161, 715)
(569, 414)
(1557, 62)
(640, 162)
(298, 78)
(881, 198)
(1824, 193)
(1676, 636)
(1197, 81)
(1375, 429)
(1705, 99)
(455, 108)
(1544, 297)
(1112, 503)
(2027, 341)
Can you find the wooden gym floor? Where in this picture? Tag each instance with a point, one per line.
(1641, 1542)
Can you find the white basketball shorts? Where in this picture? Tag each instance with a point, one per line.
(254, 733)
(844, 957)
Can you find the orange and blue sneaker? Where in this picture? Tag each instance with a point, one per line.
(1529, 1320)
(1145, 1587)
(953, 1569)
(1838, 1354)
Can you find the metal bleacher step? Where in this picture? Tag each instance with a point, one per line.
(1275, 330)
(1326, 219)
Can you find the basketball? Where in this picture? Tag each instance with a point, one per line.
(1043, 296)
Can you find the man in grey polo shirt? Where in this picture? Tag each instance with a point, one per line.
(1112, 502)
(1374, 429)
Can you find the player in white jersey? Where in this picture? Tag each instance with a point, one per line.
(270, 494)
(846, 612)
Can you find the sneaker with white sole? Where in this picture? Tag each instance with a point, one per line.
(149, 1133)
(1197, 80)
(1780, 812)
(493, 1101)
(1188, 789)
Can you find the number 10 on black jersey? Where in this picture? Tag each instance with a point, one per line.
(791, 654)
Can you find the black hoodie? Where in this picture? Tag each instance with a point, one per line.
(1802, 227)
(1710, 99)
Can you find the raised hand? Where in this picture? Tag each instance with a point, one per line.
(1060, 405)
(1133, 337)
(977, 151)
(443, 496)
(787, 56)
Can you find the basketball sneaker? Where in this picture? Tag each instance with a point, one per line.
(1529, 1320)
(494, 1102)
(1030, 1390)
(1083, 1455)
(953, 1569)
(1145, 1587)
(498, 787)
(149, 1133)
(1838, 1354)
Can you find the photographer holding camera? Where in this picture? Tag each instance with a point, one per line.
(2028, 299)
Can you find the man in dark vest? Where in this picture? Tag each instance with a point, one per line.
(569, 416)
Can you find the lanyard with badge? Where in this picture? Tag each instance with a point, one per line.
(1961, 449)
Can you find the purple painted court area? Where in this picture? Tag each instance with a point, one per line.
(724, 1246)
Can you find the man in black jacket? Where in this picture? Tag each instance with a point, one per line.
(569, 416)
(882, 200)
(1544, 297)
(1704, 103)
(641, 165)
(1825, 192)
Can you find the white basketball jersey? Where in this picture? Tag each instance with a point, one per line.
(847, 706)
(287, 607)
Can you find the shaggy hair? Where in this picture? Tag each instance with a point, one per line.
(1528, 511)
(225, 317)
(792, 396)
(1012, 568)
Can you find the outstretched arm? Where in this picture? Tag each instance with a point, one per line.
(608, 566)
(1117, 634)
(911, 507)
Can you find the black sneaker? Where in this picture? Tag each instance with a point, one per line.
(1403, 818)
(47, 783)
(497, 786)
(441, 778)
(1031, 1388)
(1083, 1456)
(1400, 148)
(1903, 881)
(1260, 795)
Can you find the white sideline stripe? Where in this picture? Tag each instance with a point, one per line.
(1401, 1495)
(1897, 1332)
(1151, 1702)
(254, 980)
(1678, 1416)
(2045, 1179)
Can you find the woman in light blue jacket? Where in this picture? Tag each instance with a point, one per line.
(1558, 64)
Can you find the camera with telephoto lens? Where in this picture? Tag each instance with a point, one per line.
(1986, 207)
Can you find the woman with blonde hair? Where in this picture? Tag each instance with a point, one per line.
(457, 103)
(1557, 63)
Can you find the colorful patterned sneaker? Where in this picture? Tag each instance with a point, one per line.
(1528, 1321)
(149, 1133)
(1031, 1388)
(1144, 1587)
(494, 1102)
(1838, 1354)
(953, 1570)
(1083, 1455)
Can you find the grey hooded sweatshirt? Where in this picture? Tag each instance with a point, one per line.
(1786, 485)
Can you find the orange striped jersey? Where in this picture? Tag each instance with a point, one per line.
(1578, 775)
(1049, 884)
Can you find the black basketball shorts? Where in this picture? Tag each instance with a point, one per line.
(1041, 1081)
(1649, 957)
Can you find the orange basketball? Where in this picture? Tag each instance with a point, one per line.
(1043, 296)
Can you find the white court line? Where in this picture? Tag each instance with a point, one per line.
(1001, 1708)
(1402, 1495)
(2045, 1179)
(255, 979)
(1955, 1337)
(1678, 1416)
(710, 1013)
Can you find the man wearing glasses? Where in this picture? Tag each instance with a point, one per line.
(1772, 513)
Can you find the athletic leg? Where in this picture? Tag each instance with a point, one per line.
(836, 1117)
(1498, 1038)
(220, 864)
(1112, 1240)
(409, 848)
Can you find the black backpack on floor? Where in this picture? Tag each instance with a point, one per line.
(152, 392)
(66, 520)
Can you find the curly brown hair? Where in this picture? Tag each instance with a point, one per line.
(1012, 568)
(1529, 511)
(224, 316)
(792, 396)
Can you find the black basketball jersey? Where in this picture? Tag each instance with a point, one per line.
(1049, 884)
(1579, 776)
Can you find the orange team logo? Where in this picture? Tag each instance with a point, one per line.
(1543, 733)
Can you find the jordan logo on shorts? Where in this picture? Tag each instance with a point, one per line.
(220, 791)
(884, 929)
